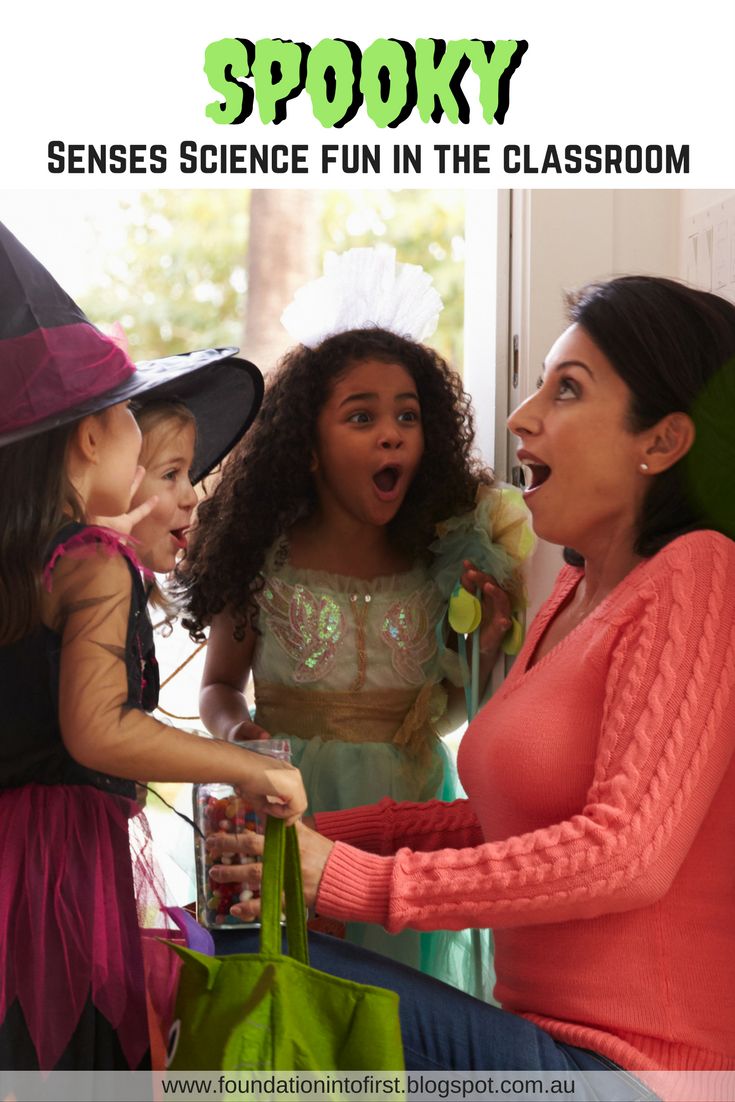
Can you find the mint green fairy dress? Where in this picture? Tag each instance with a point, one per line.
(353, 673)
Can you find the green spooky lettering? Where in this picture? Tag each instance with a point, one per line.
(440, 67)
(494, 63)
(331, 82)
(391, 77)
(388, 81)
(278, 71)
(224, 61)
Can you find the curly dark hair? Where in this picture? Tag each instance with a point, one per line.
(267, 485)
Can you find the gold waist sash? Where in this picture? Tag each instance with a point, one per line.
(403, 717)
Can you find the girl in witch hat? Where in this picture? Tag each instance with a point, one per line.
(78, 672)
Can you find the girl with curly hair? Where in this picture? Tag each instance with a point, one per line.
(318, 565)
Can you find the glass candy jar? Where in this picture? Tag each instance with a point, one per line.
(219, 809)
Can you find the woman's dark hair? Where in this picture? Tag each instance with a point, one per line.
(36, 500)
(674, 347)
(267, 484)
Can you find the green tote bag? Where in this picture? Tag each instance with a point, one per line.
(269, 1011)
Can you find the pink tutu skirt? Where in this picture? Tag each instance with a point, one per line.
(70, 947)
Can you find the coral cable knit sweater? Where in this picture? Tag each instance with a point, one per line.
(598, 837)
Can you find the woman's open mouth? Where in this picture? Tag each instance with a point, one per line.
(536, 473)
(386, 482)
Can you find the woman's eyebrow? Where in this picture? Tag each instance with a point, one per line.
(570, 363)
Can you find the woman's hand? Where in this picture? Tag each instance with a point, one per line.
(495, 605)
(315, 850)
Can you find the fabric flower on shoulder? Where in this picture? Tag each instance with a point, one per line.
(497, 537)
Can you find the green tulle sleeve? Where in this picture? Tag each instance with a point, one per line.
(496, 536)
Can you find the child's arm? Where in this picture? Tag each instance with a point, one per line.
(89, 607)
(222, 703)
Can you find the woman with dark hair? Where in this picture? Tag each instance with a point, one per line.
(596, 839)
(617, 316)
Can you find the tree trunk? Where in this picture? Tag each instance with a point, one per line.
(282, 256)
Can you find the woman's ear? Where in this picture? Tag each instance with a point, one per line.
(669, 441)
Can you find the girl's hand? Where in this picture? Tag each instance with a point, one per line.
(273, 787)
(315, 850)
(496, 611)
(247, 731)
(125, 523)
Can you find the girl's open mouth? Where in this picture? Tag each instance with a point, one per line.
(386, 481)
(179, 536)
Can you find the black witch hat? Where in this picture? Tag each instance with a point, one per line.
(56, 367)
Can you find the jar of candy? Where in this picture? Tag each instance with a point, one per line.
(219, 809)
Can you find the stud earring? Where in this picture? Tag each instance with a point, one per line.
(643, 467)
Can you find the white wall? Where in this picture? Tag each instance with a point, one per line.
(707, 241)
(694, 200)
(561, 240)
(486, 296)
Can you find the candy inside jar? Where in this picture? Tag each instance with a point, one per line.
(218, 809)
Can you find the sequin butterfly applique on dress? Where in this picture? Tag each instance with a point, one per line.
(307, 625)
(408, 630)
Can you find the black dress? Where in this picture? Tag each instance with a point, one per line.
(72, 994)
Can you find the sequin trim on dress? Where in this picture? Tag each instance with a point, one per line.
(408, 629)
(307, 625)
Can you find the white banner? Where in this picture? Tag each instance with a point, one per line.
(509, 94)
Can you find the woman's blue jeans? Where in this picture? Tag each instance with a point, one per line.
(444, 1029)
